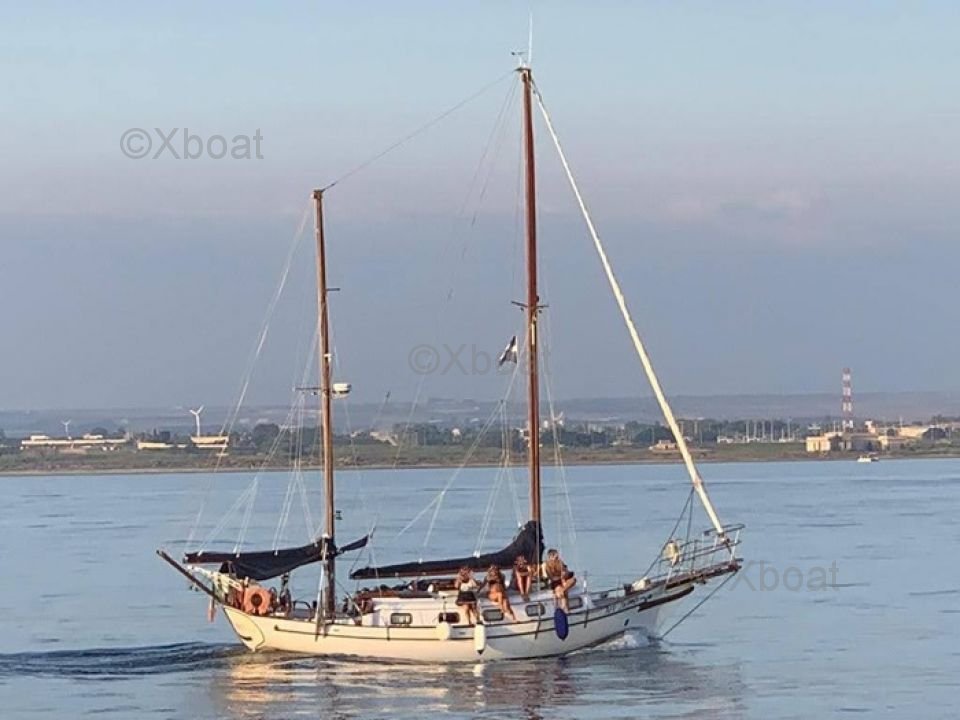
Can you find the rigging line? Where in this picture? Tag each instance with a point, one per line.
(491, 506)
(309, 365)
(251, 362)
(356, 558)
(271, 308)
(246, 516)
(313, 529)
(286, 432)
(506, 444)
(418, 516)
(635, 336)
(518, 217)
(521, 354)
(409, 421)
(441, 311)
(358, 471)
(498, 140)
(226, 517)
(687, 505)
(294, 434)
(560, 468)
(489, 511)
(380, 410)
(291, 430)
(286, 426)
(502, 473)
(456, 474)
(345, 402)
(285, 510)
(505, 434)
(423, 128)
(698, 605)
(494, 140)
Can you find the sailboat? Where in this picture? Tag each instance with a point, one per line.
(419, 619)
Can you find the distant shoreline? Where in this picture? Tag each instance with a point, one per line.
(581, 458)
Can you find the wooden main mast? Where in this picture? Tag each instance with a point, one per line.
(323, 342)
(533, 299)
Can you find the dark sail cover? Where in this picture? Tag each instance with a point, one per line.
(266, 564)
(528, 542)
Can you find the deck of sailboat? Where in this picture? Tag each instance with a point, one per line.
(598, 617)
(417, 616)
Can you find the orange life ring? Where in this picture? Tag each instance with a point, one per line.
(256, 601)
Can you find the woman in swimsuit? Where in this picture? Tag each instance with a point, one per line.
(467, 593)
(560, 578)
(521, 577)
(497, 591)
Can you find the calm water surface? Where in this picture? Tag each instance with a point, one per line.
(93, 623)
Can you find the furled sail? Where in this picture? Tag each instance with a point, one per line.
(528, 542)
(266, 564)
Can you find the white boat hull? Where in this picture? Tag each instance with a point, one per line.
(527, 638)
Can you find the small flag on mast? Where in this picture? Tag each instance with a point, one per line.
(509, 353)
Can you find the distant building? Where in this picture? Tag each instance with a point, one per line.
(82, 443)
(155, 445)
(875, 439)
(894, 442)
(827, 442)
(862, 442)
(914, 432)
(210, 442)
(664, 446)
(384, 437)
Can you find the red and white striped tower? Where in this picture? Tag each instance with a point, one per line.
(846, 406)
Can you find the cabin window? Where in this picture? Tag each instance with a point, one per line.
(449, 617)
(402, 619)
(535, 610)
(492, 615)
(575, 603)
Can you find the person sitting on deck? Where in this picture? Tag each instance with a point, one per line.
(497, 591)
(559, 577)
(521, 577)
(467, 593)
(284, 600)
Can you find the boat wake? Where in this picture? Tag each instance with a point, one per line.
(116, 662)
(186, 657)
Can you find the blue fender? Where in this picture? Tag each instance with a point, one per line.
(560, 624)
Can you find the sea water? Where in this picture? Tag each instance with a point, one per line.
(849, 601)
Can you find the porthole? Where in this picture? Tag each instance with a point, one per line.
(492, 615)
(535, 610)
(449, 617)
(402, 619)
(575, 603)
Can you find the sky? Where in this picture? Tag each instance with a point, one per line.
(776, 184)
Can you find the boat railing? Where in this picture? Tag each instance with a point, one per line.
(694, 559)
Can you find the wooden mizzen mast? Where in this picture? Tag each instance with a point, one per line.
(323, 341)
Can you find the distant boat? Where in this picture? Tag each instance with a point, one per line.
(420, 619)
(868, 459)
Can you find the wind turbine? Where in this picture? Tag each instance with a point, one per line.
(196, 416)
(66, 427)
